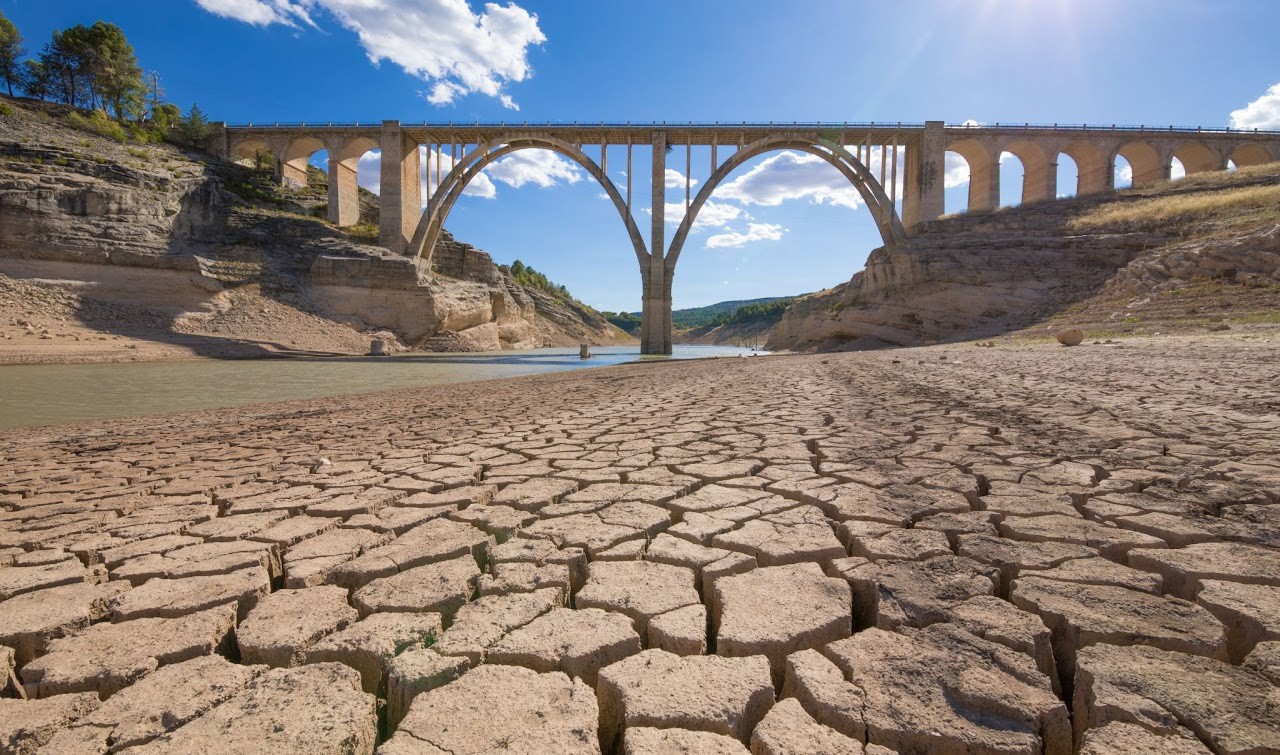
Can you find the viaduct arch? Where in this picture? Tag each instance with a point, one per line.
(908, 189)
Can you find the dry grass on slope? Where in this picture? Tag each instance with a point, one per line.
(1190, 205)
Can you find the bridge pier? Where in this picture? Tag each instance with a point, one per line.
(924, 177)
(400, 201)
(344, 192)
(655, 318)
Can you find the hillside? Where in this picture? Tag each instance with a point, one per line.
(112, 251)
(697, 317)
(1184, 255)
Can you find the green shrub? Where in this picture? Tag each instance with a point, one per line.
(5, 109)
(98, 122)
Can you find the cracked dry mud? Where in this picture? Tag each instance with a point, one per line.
(942, 550)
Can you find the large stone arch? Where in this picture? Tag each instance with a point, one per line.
(469, 166)
(1148, 165)
(1198, 157)
(1249, 154)
(881, 207)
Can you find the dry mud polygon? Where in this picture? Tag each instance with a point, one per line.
(1006, 550)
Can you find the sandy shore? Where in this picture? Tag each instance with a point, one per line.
(960, 549)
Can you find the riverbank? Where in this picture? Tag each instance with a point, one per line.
(745, 547)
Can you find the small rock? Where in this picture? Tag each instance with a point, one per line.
(1070, 337)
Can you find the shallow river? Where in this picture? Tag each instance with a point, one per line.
(54, 394)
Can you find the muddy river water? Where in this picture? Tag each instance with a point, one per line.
(56, 394)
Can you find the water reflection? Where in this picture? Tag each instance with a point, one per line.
(54, 394)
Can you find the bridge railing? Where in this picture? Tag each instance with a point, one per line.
(819, 126)
(1115, 127)
(582, 124)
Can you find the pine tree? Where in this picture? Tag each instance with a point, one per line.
(10, 51)
(194, 128)
(35, 80)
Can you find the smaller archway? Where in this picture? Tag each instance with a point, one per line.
(1093, 172)
(1248, 155)
(344, 184)
(958, 179)
(1012, 183)
(984, 174)
(1121, 174)
(1068, 180)
(1039, 174)
(253, 153)
(1145, 162)
(293, 163)
(1197, 158)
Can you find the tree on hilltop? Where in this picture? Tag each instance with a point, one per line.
(94, 66)
(10, 51)
(34, 80)
(194, 128)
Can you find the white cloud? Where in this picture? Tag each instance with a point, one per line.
(792, 175)
(712, 215)
(442, 42)
(957, 171)
(369, 175)
(540, 167)
(1124, 173)
(754, 232)
(717, 215)
(1176, 170)
(675, 179)
(1262, 113)
(259, 12)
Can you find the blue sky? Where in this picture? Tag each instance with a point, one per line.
(784, 226)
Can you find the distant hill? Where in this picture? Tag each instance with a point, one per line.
(697, 317)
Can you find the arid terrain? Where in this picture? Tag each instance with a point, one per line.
(1019, 549)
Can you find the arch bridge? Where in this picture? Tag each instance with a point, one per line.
(891, 166)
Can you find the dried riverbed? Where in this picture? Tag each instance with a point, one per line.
(952, 549)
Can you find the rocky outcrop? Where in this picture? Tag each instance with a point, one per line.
(183, 238)
(976, 276)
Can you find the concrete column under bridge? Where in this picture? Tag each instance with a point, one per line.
(400, 201)
(655, 318)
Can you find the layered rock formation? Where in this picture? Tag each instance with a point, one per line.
(191, 242)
